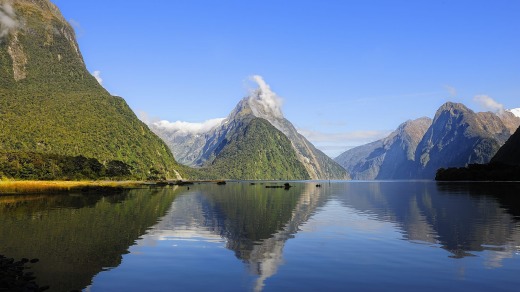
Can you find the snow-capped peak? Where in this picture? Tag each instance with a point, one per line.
(515, 111)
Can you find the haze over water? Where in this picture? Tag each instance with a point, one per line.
(369, 236)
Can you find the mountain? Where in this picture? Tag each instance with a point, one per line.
(390, 158)
(201, 145)
(458, 137)
(509, 154)
(256, 150)
(51, 104)
(504, 166)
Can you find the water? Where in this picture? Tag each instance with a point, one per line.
(358, 236)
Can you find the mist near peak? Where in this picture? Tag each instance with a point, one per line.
(8, 20)
(264, 100)
(489, 103)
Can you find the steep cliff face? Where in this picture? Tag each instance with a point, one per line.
(50, 103)
(389, 158)
(401, 149)
(458, 137)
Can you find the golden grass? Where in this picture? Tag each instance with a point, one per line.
(14, 187)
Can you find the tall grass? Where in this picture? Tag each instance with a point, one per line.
(14, 187)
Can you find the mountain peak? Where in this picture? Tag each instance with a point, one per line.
(46, 8)
(263, 101)
(450, 106)
(36, 35)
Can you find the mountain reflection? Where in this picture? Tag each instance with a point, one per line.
(75, 236)
(461, 218)
(254, 222)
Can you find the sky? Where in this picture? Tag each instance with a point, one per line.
(348, 72)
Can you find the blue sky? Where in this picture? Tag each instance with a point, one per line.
(348, 71)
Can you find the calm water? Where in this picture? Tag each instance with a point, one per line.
(355, 236)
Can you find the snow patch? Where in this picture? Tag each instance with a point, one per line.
(515, 111)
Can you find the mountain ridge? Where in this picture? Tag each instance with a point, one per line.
(456, 137)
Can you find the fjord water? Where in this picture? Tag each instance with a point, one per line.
(360, 236)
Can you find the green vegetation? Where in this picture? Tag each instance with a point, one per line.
(256, 150)
(40, 166)
(50, 103)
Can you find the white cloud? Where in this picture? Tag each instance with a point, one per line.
(186, 127)
(77, 27)
(334, 144)
(451, 90)
(266, 98)
(489, 104)
(97, 75)
(7, 19)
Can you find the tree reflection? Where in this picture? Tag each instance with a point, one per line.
(75, 236)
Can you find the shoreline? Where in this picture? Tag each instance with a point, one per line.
(22, 187)
(14, 187)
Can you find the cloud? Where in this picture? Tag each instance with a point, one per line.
(8, 20)
(451, 90)
(186, 127)
(334, 144)
(77, 27)
(265, 98)
(97, 75)
(488, 103)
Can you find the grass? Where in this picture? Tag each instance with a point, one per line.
(21, 187)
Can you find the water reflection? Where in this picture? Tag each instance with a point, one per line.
(75, 236)
(461, 218)
(254, 222)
